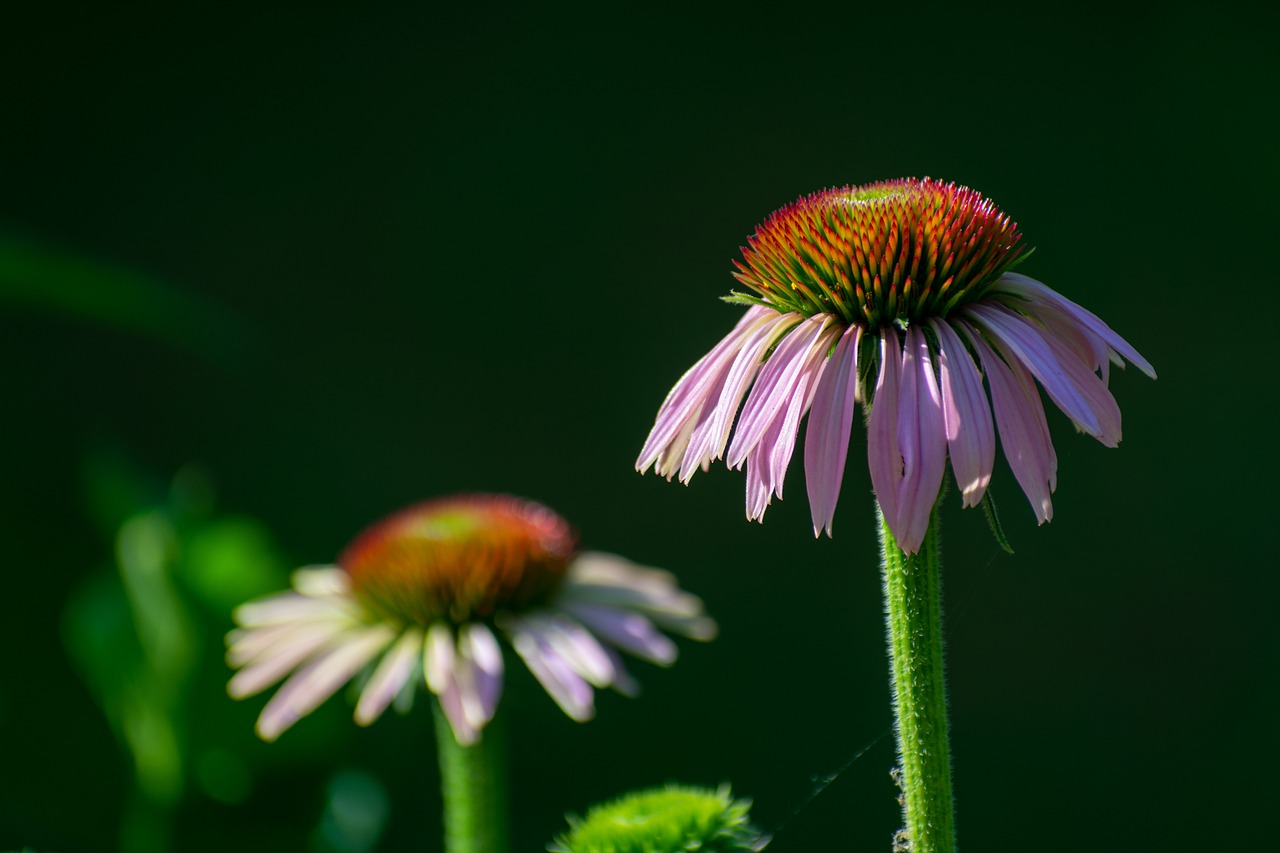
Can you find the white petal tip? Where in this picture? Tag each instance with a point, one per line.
(268, 734)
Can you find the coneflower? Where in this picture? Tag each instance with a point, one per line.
(900, 296)
(421, 598)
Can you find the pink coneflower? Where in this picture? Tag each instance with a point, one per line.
(423, 596)
(898, 292)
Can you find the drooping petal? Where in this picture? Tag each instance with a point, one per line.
(1094, 391)
(290, 607)
(826, 445)
(884, 459)
(575, 645)
(1020, 338)
(1030, 288)
(445, 671)
(768, 459)
(628, 630)
(813, 361)
(566, 687)
(288, 652)
(389, 678)
(437, 658)
(773, 387)
(921, 440)
(605, 579)
(759, 489)
(245, 645)
(319, 679)
(1083, 343)
(1024, 433)
(678, 413)
(708, 440)
(1074, 383)
(486, 657)
(466, 677)
(451, 704)
(971, 436)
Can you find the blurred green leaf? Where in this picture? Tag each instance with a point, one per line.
(64, 282)
(223, 775)
(98, 631)
(147, 636)
(229, 561)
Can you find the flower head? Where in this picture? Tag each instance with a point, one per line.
(424, 595)
(900, 294)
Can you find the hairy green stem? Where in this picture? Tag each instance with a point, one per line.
(913, 608)
(473, 785)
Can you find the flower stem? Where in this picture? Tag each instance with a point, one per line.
(913, 608)
(473, 785)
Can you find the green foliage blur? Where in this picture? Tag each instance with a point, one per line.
(145, 637)
(267, 276)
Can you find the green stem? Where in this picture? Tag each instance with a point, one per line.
(473, 785)
(913, 608)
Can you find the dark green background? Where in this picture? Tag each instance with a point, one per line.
(471, 249)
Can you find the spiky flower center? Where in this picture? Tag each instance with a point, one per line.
(459, 559)
(890, 252)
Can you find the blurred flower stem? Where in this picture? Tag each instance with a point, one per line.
(913, 608)
(473, 786)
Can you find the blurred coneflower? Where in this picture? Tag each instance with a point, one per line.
(426, 592)
(422, 598)
(899, 292)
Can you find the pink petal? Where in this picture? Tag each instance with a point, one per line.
(826, 444)
(1024, 433)
(774, 387)
(448, 676)
(768, 460)
(971, 436)
(437, 658)
(813, 362)
(288, 651)
(451, 703)
(708, 439)
(290, 607)
(1074, 381)
(577, 646)
(1094, 391)
(760, 482)
(319, 679)
(678, 413)
(605, 579)
(884, 460)
(1030, 288)
(245, 645)
(392, 673)
(627, 630)
(1024, 341)
(482, 650)
(922, 441)
(1088, 347)
(566, 687)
